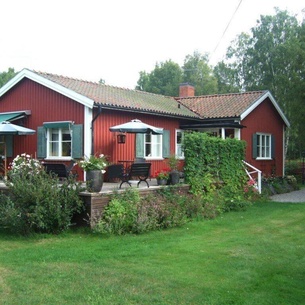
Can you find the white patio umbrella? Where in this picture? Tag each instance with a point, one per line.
(136, 126)
(7, 128)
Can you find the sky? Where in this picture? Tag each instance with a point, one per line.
(116, 39)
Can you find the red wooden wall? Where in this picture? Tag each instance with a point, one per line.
(45, 104)
(106, 141)
(265, 119)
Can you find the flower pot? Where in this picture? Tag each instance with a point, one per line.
(174, 177)
(161, 181)
(94, 181)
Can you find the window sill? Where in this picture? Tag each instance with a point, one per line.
(58, 158)
(264, 159)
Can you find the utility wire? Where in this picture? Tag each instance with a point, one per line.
(224, 32)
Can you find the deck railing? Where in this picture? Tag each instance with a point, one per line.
(254, 171)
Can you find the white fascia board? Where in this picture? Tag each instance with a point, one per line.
(49, 84)
(88, 115)
(259, 101)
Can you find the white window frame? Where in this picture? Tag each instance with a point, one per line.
(178, 146)
(156, 144)
(60, 143)
(264, 146)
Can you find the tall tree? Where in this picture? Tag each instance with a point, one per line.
(227, 78)
(167, 76)
(273, 58)
(6, 76)
(164, 79)
(197, 71)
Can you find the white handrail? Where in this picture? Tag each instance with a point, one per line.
(258, 186)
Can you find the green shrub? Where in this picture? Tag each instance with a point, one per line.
(128, 213)
(215, 165)
(36, 203)
(120, 214)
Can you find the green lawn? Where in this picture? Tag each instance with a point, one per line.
(252, 257)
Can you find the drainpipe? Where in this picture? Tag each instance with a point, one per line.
(92, 128)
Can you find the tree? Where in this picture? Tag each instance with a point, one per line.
(164, 79)
(197, 71)
(273, 58)
(6, 76)
(227, 79)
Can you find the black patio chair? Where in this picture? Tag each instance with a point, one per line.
(115, 171)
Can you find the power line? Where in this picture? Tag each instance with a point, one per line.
(224, 32)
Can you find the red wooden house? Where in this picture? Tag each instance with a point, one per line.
(72, 119)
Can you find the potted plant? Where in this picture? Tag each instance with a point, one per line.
(174, 174)
(162, 176)
(94, 166)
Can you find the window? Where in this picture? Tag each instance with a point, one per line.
(153, 146)
(59, 142)
(263, 145)
(179, 141)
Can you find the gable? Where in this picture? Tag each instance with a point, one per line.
(266, 96)
(25, 73)
(236, 105)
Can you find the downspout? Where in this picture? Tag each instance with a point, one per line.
(92, 128)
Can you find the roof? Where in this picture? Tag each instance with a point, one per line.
(92, 93)
(233, 105)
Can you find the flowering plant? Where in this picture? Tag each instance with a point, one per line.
(162, 174)
(25, 164)
(94, 163)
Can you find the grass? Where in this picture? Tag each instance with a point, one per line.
(251, 257)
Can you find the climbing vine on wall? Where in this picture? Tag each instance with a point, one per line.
(211, 162)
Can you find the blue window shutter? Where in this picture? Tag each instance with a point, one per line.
(254, 146)
(41, 142)
(166, 143)
(9, 145)
(140, 145)
(77, 141)
(272, 147)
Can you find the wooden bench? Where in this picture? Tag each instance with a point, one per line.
(60, 170)
(139, 170)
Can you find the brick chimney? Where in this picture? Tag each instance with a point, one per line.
(186, 90)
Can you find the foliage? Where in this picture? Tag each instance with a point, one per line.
(6, 76)
(272, 57)
(25, 164)
(173, 162)
(94, 163)
(214, 166)
(198, 72)
(279, 185)
(164, 79)
(120, 214)
(162, 174)
(128, 213)
(167, 76)
(35, 202)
